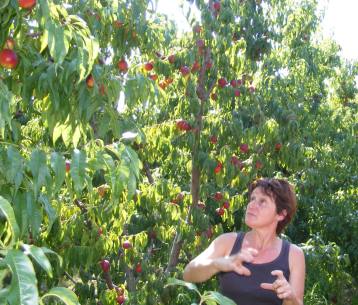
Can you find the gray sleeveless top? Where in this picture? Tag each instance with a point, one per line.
(246, 290)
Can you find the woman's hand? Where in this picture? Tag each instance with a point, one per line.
(281, 286)
(234, 262)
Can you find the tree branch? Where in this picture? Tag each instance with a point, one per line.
(203, 95)
(84, 211)
(148, 173)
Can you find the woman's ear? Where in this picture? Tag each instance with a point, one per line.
(282, 215)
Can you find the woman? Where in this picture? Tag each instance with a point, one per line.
(257, 267)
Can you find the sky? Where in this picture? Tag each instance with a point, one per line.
(340, 22)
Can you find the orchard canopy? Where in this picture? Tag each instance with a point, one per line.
(126, 145)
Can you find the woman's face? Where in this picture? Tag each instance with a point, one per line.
(261, 210)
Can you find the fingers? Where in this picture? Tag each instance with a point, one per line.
(252, 251)
(267, 286)
(281, 287)
(279, 274)
(283, 295)
(242, 270)
(247, 255)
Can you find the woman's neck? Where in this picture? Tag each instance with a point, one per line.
(262, 240)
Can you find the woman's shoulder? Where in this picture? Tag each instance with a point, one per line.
(227, 236)
(295, 250)
(296, 255)
(226, 241)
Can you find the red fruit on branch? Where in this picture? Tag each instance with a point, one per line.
(208, 65)
(148, 66)
(68, 166)
(258, 165)
(278, 146)
(184, 70)
(200, 43)
(122, 65)
(218, 196)
(195, 67)
(220, 211)
(237, 92)
(173, 202)
(8, 59)
(226, 205)
(153, 77)
(217, 6)
(118, 24)
(183, 125)
(218, 168)
(233, 83)
(238, 82)
(163, 85)
(168, 80)
(120, 299)
(127, 244)
(105, 265)
(244, 148)
(138, 268)
(27, 4)
(102, 190)
(222, 82)
(171, 58)
(235, 161)
(9, 44)
(213, 139)
(90, 81)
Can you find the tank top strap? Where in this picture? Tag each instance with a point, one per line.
(238, 242)
(285, 250)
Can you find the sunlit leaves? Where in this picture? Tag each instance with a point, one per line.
(23, 289)
(7, 211)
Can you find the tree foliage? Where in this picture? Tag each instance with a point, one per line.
(127, 146)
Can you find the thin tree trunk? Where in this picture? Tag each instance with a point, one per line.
(203, 95)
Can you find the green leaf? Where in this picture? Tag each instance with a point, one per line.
(58, 41)
(76, 136)
(217, 297)
(15, 167)
(34, 214)
(5, 101)
(50, 211)
(44, 40)
(7, 210)
(174, 282)
(4, 4)
(23, 286)
(39, 256)
(78, 169)
(64, 294)
(132, 160)
(59, 167)
(57, 132)
(49, 251)
(67, 134)
(39, 170)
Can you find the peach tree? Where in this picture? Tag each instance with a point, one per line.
(126, 146)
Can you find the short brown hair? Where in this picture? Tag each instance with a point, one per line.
(284, 197)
